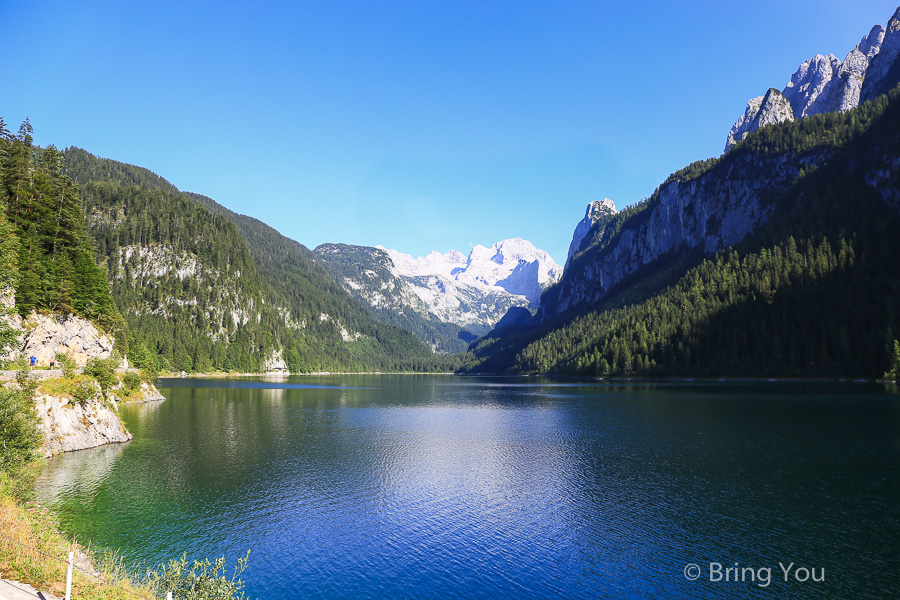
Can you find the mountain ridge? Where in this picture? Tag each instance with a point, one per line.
(825, 84)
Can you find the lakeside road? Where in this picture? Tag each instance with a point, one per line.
(15, 590)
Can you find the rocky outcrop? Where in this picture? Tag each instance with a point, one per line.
(707, 213)
(68, 425)
(146, 393)
(275, 363)
(45, 336)
(596, 210)
(882, 74)
(825, 84)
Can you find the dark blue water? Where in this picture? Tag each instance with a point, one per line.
(445, 487)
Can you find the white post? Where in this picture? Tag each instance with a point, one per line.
(69, 576)
(168, 595)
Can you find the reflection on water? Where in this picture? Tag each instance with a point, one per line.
(79, 472)
(443, 487)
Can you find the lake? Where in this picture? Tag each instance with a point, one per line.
(471, 487)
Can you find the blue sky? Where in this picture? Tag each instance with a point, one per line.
(416, 125)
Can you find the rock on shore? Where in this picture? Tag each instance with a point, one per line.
(68, 425)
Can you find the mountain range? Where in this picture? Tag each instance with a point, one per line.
(826, 84)
(776, 258)
(447, 299)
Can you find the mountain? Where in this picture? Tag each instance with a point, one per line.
(825, 84)
(596, 211)
(369, 274)
(445, 299)
(777, 258)
(513, 265)
(203, 288)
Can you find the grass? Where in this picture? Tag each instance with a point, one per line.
(33, 551)
(62, 386)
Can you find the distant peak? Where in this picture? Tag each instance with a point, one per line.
(596, 209)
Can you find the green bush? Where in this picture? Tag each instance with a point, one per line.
(203, 580)
(19, 435)
(103, 370)
(65, 362)
(131, 381)
(83, 391)
(894, 373)
(19, 363)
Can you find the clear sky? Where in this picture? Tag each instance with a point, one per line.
(417, 125)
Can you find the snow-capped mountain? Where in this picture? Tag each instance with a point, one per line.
(514, 265)
(429, 294)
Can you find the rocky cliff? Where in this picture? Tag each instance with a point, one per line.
(703, 213)
(45, 336)
(825, 84)
(68, 425)
(596, 211)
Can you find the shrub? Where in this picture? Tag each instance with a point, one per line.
(894, 373)
(103, 370)
(66, 363)
(131, 381)
(83, 391)
(19, 435)
(203, 580)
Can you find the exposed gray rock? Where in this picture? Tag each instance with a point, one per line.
(774, 107)
(595, 211)
(275, 363)
(68, 425)
(742, 126)
(810, 89)
(147, 393)
(707, 213)
(45, 336)
(878, 80)
(469, 292)
(824, 84)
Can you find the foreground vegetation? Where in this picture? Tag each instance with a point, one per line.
(32, 549)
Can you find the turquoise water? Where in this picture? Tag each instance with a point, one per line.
(453, 487)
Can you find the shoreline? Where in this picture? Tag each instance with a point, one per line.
(223, 375)
(617, 379)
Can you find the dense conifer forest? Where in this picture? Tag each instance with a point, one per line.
(47, 258)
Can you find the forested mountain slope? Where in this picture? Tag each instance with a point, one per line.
(46, 258)
(779, 258)
(205, 289)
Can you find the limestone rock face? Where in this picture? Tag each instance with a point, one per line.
(825, 84)
(707, 213)
(275, 363)
(45, 336)
(881, 75)
(774, 107)
(68, 425)
(149, 393)
(810, 89)
(596, 210)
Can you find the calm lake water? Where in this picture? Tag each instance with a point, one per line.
(463, 487)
